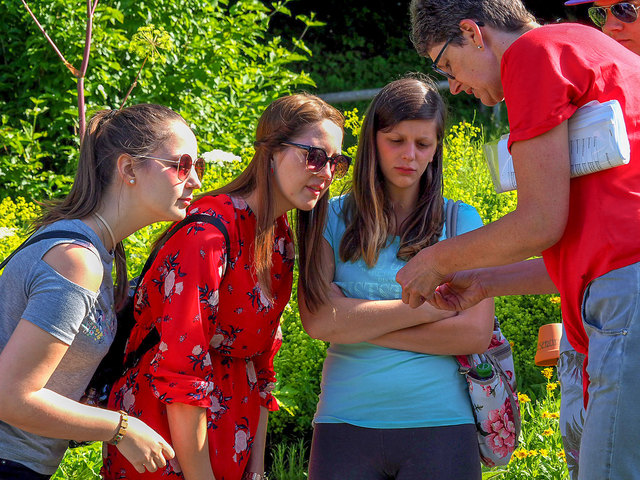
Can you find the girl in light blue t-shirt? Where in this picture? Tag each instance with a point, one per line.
(392, 405)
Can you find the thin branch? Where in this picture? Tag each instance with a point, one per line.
(135, 82)
(71, 68)
(83, 68)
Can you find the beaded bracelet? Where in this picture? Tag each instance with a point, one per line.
(122, 428)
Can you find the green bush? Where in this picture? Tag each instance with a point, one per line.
(222, 67)
(520, 318)
(299, 370)
(82, 463)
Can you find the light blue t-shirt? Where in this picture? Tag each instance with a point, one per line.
(377, 387)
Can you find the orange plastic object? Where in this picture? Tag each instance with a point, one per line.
(548, 344)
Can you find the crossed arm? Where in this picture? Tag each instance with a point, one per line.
(392, 324)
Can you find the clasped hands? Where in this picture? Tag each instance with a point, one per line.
(422, 282)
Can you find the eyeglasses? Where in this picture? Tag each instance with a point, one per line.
(624, 11)
(317, 158)
(435, 66)
(183, 165)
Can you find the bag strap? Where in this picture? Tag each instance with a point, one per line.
(153, 337)
(451, 217)
(198, 217)
(68, 234)
(451, 228)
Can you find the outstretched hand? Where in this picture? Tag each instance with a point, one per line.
(459, 291)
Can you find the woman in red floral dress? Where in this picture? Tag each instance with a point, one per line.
(205, 387)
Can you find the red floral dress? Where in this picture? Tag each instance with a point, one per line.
(219, 334)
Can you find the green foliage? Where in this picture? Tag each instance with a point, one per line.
(15, 220)
(466, 174)
(223, 69)
(299, 369)
(289, 461)
(22, 156)
(148, 41)
(81, 463)
(520, 319)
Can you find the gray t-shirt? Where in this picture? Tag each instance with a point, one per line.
(84, 320)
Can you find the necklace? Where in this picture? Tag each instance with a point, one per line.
(104, 222)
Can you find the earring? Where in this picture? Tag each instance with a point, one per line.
(272, 169)
(480, 47)
(132, 181)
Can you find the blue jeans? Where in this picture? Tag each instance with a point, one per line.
(13, 470)
(611, 436)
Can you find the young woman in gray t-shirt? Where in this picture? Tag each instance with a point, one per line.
(57, 305)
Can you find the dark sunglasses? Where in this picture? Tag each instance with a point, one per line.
(183, 165)
(624, 11)
(317, 158)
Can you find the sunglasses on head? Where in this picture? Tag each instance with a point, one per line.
(317, 158)
(624, 11)
(183, 165)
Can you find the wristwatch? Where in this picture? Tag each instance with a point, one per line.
(253, 476)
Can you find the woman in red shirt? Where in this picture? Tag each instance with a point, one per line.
(206, 386)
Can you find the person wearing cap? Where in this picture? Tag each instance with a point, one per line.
(617, 19)
(586, 228)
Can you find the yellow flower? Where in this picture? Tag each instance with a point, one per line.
(520, 453)
(551, 386)
(555, 300)
(547, 373)
(523, 397)
(546, 414)
(561, 454)
(544, 452)
(533, 453)
(548, 432)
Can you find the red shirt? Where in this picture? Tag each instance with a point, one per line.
(219, 334)
(546, 75)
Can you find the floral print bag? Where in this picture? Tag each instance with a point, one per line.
(493, 395)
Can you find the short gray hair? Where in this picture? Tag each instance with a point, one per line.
(434, 21)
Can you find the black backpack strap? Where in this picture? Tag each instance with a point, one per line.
(451, 218)
(153, 337)
(67, 234)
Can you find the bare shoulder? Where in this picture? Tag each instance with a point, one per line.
(77, 264)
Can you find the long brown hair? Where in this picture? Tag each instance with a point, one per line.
(367, 209)
(137, 130)
(282, 120)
